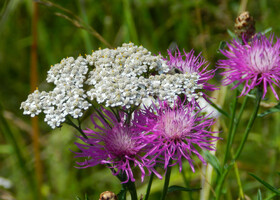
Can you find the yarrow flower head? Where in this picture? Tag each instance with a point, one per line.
(66, 99)
(255, 63)
(116, 144)
(188, 63)
(120, 77)
(175, 133)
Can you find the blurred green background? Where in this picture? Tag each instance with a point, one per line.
(157, 25)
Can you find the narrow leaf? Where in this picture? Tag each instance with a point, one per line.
(222, 46)
(266, 30)
(259, 194)
(213, 160)
(232, 34)
(179, 188)
(271, 110)
(267, 185)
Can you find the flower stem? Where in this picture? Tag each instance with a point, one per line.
(236, 122)
(69, 121)
(166, 183)
(115, 113)
(132, 190)
(149, 186)
(100, 114)
(241, 193)
(241, 146)
(231, 135)
(218, 108)
(250, 124)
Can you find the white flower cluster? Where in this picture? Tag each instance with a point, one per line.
(122, 77)
(119, 77)
(68, 96)
(167, 87)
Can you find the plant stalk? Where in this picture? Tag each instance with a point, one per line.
(231, 135)
(132, 190)
(166, 183)
(149, 186)
(241, 146)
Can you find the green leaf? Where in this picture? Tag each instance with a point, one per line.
(266, 30)
(267, 185)
(213, 160)
(271, 110)
(259, 194)
(78, 198)
(222, 46)
(232, 34)
(179, 188)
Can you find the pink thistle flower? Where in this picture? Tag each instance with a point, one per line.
(118, 145)
(253, 64)
(176, 133)
(191, 64)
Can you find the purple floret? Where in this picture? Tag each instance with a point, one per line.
(120, 146)
(253, 64)
(176, 133)
(189, 63)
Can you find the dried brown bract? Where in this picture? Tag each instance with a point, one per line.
(245, 26)
(108, 195)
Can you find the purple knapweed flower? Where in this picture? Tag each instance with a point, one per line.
(256, 63)
(115, 144)
(176, 133)
(191, 64)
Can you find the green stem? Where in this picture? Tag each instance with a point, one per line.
(221, 182)
(238, 181)
(115, 113)
(250, 124)
(132, 190)
(231, 135)
(166, 183)
(236, 122)
(100, 114)
(241, 146)
(69, 121)
(233, 126)
(218, 108)
(149, 186)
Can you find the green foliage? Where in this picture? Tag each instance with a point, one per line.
(179, 188)
(259, 194)
(213, 160)
(271, 110)
(267, 185)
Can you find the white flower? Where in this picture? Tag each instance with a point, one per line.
(124, 77)
(67, 97)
